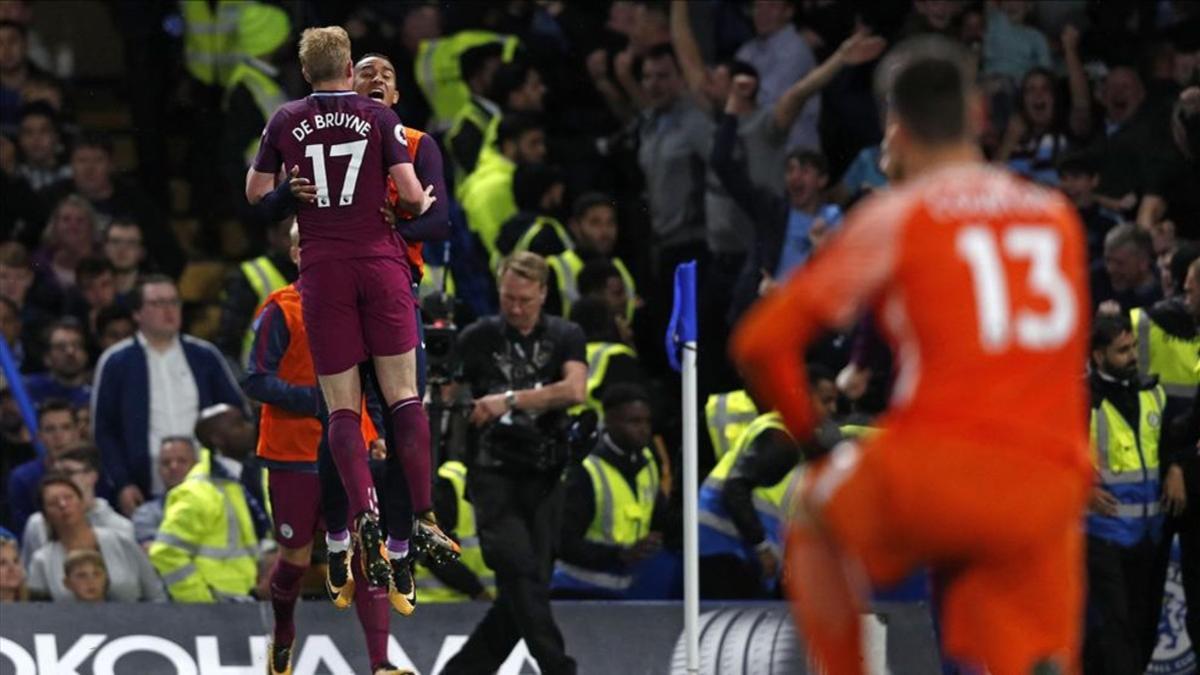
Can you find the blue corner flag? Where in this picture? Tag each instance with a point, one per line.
(684, 324)
(17, 386)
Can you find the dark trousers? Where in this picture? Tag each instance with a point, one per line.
(1123, 607)
(518, 519)
(1187, 526)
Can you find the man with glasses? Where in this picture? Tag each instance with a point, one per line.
(66, 361)
(124, 249)
(151, 386)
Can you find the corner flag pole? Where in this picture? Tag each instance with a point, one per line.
(682, 334)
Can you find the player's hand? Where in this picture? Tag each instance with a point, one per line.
(488, 408)
(427, 198)
(130, 498)
(1174, 492)
(302, 188)
(1102, 502)
(389, 214)
(378, 449)
(769, 562)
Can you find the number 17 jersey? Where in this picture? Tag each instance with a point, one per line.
(345, 144)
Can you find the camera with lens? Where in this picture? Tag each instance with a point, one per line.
(441, 336)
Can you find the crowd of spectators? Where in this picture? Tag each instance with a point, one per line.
(615, 139)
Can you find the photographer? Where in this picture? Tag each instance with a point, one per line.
(525, 370)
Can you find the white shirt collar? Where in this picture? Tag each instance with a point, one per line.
(141, 339)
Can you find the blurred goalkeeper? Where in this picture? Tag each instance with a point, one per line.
(981, 470)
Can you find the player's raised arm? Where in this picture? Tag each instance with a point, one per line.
(831, 291)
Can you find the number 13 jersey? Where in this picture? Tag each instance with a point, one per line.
(344, 143)
(979, 282)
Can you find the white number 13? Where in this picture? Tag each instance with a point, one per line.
(1042, 247)
(316, 152)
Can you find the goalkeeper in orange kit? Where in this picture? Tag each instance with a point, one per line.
(981, 471)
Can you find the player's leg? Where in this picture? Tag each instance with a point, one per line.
(1013, 597)
(397, 505)
(1020, 615)
(339, 580)
(343, 394)
(295, 516)
(834, 525)
(330, 301)
(390, 330)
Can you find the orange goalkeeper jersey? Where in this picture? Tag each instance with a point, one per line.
(979, 283)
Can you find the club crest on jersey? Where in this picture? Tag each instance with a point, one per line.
(285, 531)
(1153, 420)
(401, 135)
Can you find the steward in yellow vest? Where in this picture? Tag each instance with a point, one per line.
(469, 577)
(538, 191)
(210, 46)
(487, 193)
(469, 129)
(438, 71)
(612, 525)
(593, 228)
(247, 287)
(744, 501)
(611, 361)
(252, 91)
(206, 549)
(728, 415)
(1125, 518)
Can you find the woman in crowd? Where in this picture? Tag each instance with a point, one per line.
(1040, 128)
(131, 578)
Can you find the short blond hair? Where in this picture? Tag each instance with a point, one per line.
(324, 52)
(80, 558)
(527, 265)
